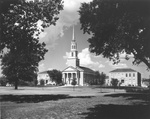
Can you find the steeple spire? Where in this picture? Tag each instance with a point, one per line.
(73, 37)
(73, 57)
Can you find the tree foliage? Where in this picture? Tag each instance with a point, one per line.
(55, 75)
(42, 82)
(3, 81)
(146, 82)
(74, 82)
(118, 26)
(102, 78)
(20, 36)
(98, 79)
(114, 82)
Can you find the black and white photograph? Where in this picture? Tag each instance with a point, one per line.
(74, 59)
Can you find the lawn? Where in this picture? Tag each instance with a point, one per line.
(64, 103)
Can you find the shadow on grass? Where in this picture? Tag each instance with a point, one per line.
(103, 92)
(36, 98)
(111, 111)
(133, 96)
(118, 112)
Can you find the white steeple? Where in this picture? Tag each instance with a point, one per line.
(73, 43)
(73, 37)
(73, 58)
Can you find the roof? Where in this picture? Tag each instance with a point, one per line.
(43, 72)
(79, 68)
(123, 70)
(87, 69)
(69, 67)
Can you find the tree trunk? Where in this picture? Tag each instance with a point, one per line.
(101, 88)
(16, 84)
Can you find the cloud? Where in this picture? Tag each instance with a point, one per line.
(67, 18)
(124, 55)
(85, 58)
(50, 69)
(119, 65)
(101, 66)
(67, 55)
(41, 67)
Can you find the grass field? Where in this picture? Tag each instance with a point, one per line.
(64, 103)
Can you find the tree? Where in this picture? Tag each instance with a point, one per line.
(20, 36)
(146, 82)
(100, 78)
(118, 26)
(3, 81)
(35, 81)
(114, 83)
(97, 77)
(74, 82)
(42, 83)
(55, 75)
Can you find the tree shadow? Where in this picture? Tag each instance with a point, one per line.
(36, 98)
(132, 96)
(118, 112)
(103, 92)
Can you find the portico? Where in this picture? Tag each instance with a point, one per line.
(69, 76)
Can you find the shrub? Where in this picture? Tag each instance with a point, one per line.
(42, 82)
(3, 81)
(138, 90)
(74, 82)
(114, 82)
(35, 82)
(23, 83)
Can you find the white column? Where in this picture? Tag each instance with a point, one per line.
(76, 78)
(63, 77)
(81, 78)
(67, 79)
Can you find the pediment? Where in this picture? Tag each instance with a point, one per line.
(68, 69)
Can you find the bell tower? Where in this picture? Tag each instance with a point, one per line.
(73, 56)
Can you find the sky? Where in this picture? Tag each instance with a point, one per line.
(58, 40)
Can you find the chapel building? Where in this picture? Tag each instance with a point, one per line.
(74, 70)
